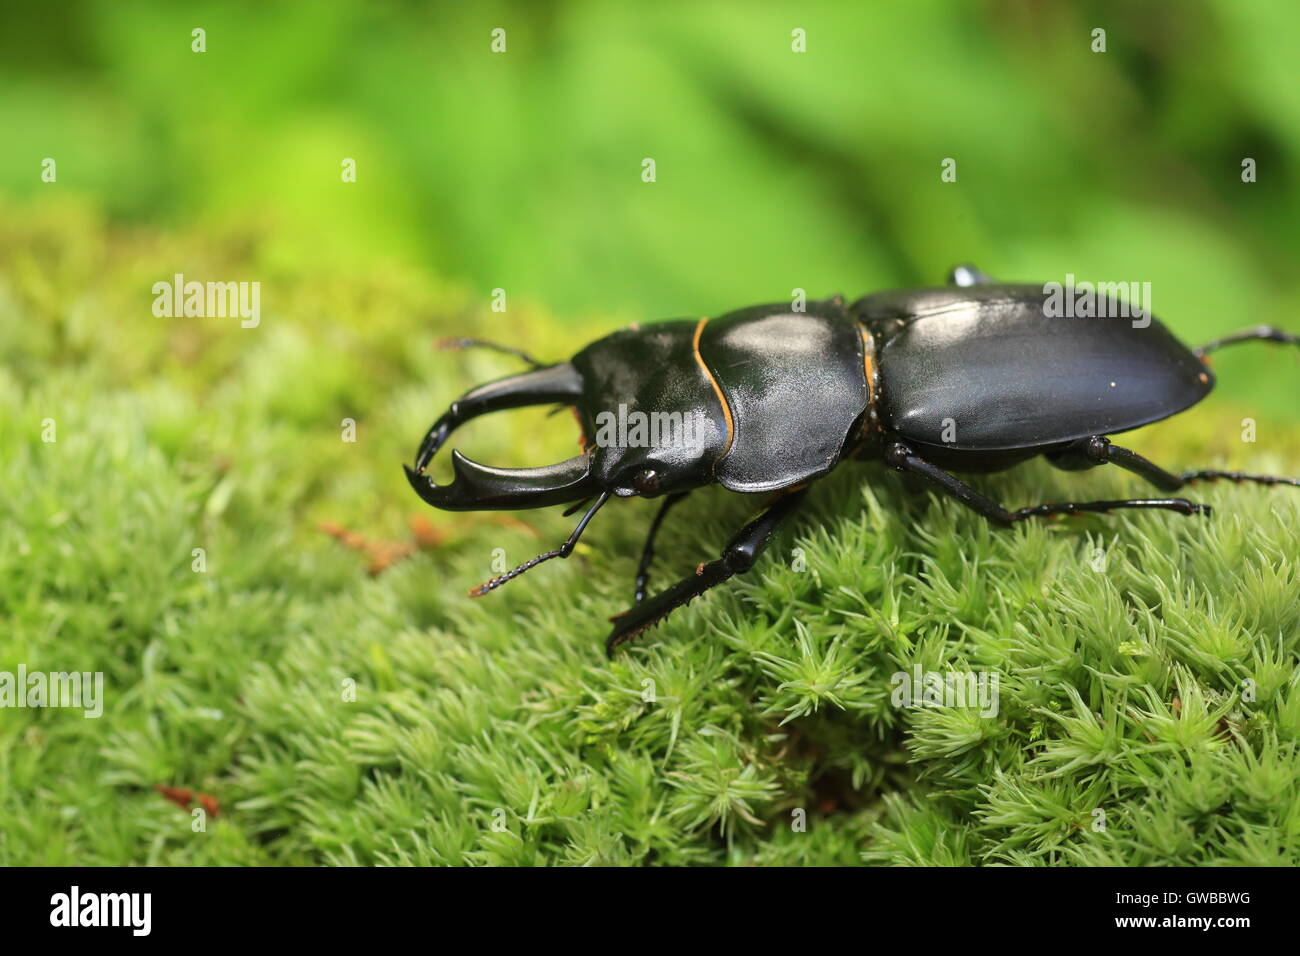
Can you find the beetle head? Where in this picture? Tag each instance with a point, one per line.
(648, 454)
(651, 420)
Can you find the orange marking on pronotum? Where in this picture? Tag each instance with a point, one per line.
(717, 389)
(869, 365)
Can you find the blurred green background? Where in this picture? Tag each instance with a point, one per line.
(775, 170)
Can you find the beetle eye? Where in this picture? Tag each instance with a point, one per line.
(646, 482)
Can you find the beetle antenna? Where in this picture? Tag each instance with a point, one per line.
(563, 551)
(1264, 333)
(575, 508)
(459, 342)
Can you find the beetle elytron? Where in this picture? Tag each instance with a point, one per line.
(969, 377)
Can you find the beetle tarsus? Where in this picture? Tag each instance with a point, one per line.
(1098, 450)
(1180, 505)
(1237, 477)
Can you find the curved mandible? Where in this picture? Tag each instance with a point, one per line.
(478, 487)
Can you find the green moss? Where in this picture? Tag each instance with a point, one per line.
(1149, 694)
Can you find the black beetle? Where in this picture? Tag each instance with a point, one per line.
(969, 377)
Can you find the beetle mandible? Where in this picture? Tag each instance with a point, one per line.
(970, 377)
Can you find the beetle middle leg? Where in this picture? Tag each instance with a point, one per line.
(737, 557)
(903, 458)
(1098, 450)
(648, 552)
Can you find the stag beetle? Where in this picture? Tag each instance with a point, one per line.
(969, 377)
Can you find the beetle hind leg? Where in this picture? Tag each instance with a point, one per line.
(1209, 474)
(1259, 333)
(1097, 450)
(902, 458)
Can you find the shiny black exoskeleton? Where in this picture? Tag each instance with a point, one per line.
(972, 377)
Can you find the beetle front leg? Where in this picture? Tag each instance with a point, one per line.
(903, 458)
(737, 557)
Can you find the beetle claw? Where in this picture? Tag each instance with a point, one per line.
(479, 487)
(559, 383)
